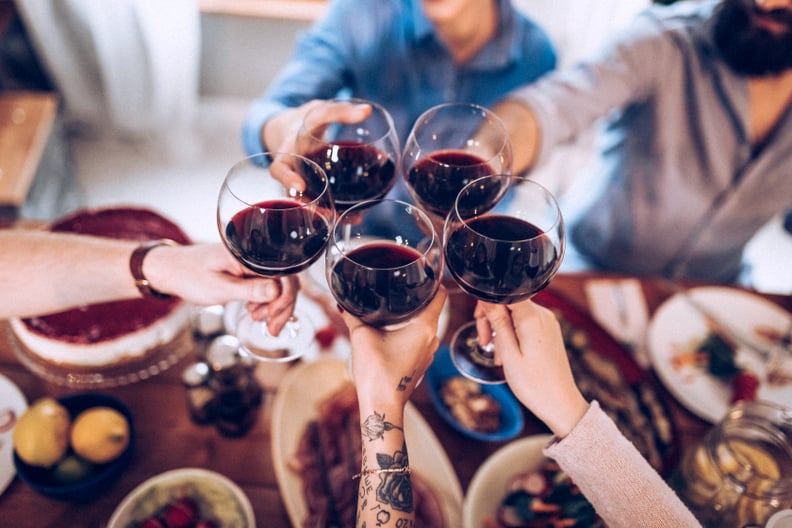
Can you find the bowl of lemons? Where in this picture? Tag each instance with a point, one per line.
(74, 447)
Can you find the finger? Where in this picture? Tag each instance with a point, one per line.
(500, 319)
(283, 170)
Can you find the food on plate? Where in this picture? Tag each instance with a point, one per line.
(113, 333)
(717, 356)
(327, 457)
(41, 434)
(634, 407)
(544, 498)
(99, 434)
(473, 408)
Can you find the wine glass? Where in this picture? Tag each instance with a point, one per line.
(499, 258)
(449, 146)
(274, 230)
(382, 276)
(360, 159)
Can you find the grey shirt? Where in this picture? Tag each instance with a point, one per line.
(681, 188)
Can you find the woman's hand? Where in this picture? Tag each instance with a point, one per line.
(387, 364)
(530, 346)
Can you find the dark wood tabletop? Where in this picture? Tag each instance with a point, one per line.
(166, 438)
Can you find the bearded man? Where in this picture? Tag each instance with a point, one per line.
(696, 148)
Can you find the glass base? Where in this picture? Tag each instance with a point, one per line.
(472, 360)
(293, 341)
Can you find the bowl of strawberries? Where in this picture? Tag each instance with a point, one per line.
(185, 498)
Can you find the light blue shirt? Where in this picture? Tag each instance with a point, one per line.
(388, 52)
(680, 187)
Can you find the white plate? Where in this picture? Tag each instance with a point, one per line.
(295, 405)
(489, 485)
(214, 484)
(677, 326)
(12, 405)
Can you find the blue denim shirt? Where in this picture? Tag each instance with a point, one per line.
(388, 52)
(679, 189)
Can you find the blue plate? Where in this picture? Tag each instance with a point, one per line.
(512, 419)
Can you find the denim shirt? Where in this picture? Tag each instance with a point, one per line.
(679, 189)
(388, 52)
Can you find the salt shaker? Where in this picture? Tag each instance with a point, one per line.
(200, 397)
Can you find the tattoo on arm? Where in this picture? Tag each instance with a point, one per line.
(395, 489)
(404, 382)
(375, 426)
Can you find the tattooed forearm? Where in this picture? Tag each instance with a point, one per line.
(375, 426)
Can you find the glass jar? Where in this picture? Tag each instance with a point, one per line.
(740, 473)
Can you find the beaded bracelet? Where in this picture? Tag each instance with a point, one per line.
(365, 472)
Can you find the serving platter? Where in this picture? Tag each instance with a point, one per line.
(295, 406)
(604, 370)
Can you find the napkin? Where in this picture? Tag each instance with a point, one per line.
(619, 306)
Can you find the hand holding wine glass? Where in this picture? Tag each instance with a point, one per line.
(360, 157)
(499, 258)
(274, 230)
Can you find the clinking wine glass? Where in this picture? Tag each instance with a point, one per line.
(361, 159)
(499, 258)
(382, 276)
(449, 146)
(274, 230)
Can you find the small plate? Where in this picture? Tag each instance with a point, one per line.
(490, 482)
(158, 491)
(677, 326)
(512, 419)
(12, 405)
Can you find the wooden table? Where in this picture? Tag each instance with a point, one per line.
(167, 439)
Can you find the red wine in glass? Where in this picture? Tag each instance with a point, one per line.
(515, 268)
(384, 274)
(360, 155)
(383, 283)
(356, 171)
(499, 258)
(277, 237)
(436, 179)
(274, 227)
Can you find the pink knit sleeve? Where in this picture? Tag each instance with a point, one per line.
(613, 475)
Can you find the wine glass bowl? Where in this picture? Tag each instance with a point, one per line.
(274, 229)
(499, 257)
(361, 159)
(384, 275)
(449, 146)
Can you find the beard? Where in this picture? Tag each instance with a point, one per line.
(747, 47)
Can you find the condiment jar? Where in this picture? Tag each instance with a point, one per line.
(237, 394)
(200, 397)
(740, 473)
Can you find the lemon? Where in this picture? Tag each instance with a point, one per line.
(41, 435)
(100, 434)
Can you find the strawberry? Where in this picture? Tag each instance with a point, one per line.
(182, 513)
(152, 522)
(325, 336)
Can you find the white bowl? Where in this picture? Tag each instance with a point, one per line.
(208, 488)
(489, 485)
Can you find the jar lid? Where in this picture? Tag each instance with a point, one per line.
(223, 352)
(195, 374)
(780, 519)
